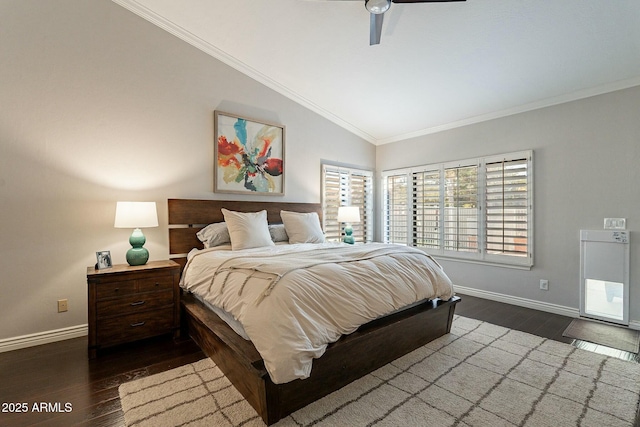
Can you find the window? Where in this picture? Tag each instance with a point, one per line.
(507, 207)
(395, 188)
(477, 209)
(347, 187)
(461, 208)
(426, 206)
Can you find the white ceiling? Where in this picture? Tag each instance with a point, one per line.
(439, 65)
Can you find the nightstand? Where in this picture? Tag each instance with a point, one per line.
(129, 303)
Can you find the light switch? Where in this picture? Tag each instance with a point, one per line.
(615, 223)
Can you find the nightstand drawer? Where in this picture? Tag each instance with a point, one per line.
(127, 303)
(155, 283)
(134, 303)
(115, 289)
(134, 326)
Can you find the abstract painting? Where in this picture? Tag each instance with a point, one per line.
(249, 156)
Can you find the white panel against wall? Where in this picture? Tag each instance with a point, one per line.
(604, 261)
(604, 275)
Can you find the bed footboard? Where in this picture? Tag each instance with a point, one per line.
(372, 346)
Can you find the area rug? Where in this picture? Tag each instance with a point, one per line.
(478, 375)
(608, 335)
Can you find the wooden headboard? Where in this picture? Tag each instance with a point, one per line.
(188, 216)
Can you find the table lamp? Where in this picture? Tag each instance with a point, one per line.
(348, 215)
(136, 215)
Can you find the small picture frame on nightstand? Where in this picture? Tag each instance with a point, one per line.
(104, 260)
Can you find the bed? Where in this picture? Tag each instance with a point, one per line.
(371, 346)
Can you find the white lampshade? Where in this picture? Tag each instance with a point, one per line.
(136, 215)
(349, 214)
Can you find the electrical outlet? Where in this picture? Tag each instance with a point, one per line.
(544, 284)
(63, 305)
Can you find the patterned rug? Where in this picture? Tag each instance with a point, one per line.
(478, 375)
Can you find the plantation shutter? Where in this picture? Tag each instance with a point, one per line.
(395, 209)
(360, 192)
(426, 209)
(333, 197)
(461, 209)
(479, 210)
(507, 207)
(347, 187)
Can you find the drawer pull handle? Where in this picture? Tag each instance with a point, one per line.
(133, 325)
(137, 303)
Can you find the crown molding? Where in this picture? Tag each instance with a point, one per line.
(238, 65)
(544, 103)
(206, 47)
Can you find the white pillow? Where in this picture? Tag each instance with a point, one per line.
(302, 227)
(215, 234)
(247, 229)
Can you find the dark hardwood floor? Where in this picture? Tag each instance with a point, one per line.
(541, 323)
(61, 373)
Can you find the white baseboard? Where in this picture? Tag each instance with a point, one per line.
(528, 303)
(46, 337)
(521, 302)
(78, 331)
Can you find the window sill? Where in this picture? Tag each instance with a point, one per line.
(483, 262)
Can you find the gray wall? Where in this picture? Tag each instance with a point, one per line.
(586, 157)
(99, 105)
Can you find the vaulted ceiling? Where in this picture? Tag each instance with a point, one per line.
(439, 65)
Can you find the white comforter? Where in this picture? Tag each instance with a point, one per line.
(293, 300)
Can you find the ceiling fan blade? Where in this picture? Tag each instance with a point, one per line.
(375, 28)
(423, 1)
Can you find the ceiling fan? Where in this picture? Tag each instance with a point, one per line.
(378, 8)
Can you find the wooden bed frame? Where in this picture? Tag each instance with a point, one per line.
(372, 346)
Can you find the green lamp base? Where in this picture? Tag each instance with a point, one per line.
(137, 255)
(348, 238)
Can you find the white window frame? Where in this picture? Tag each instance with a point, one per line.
(482, 255)
(362, 232)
